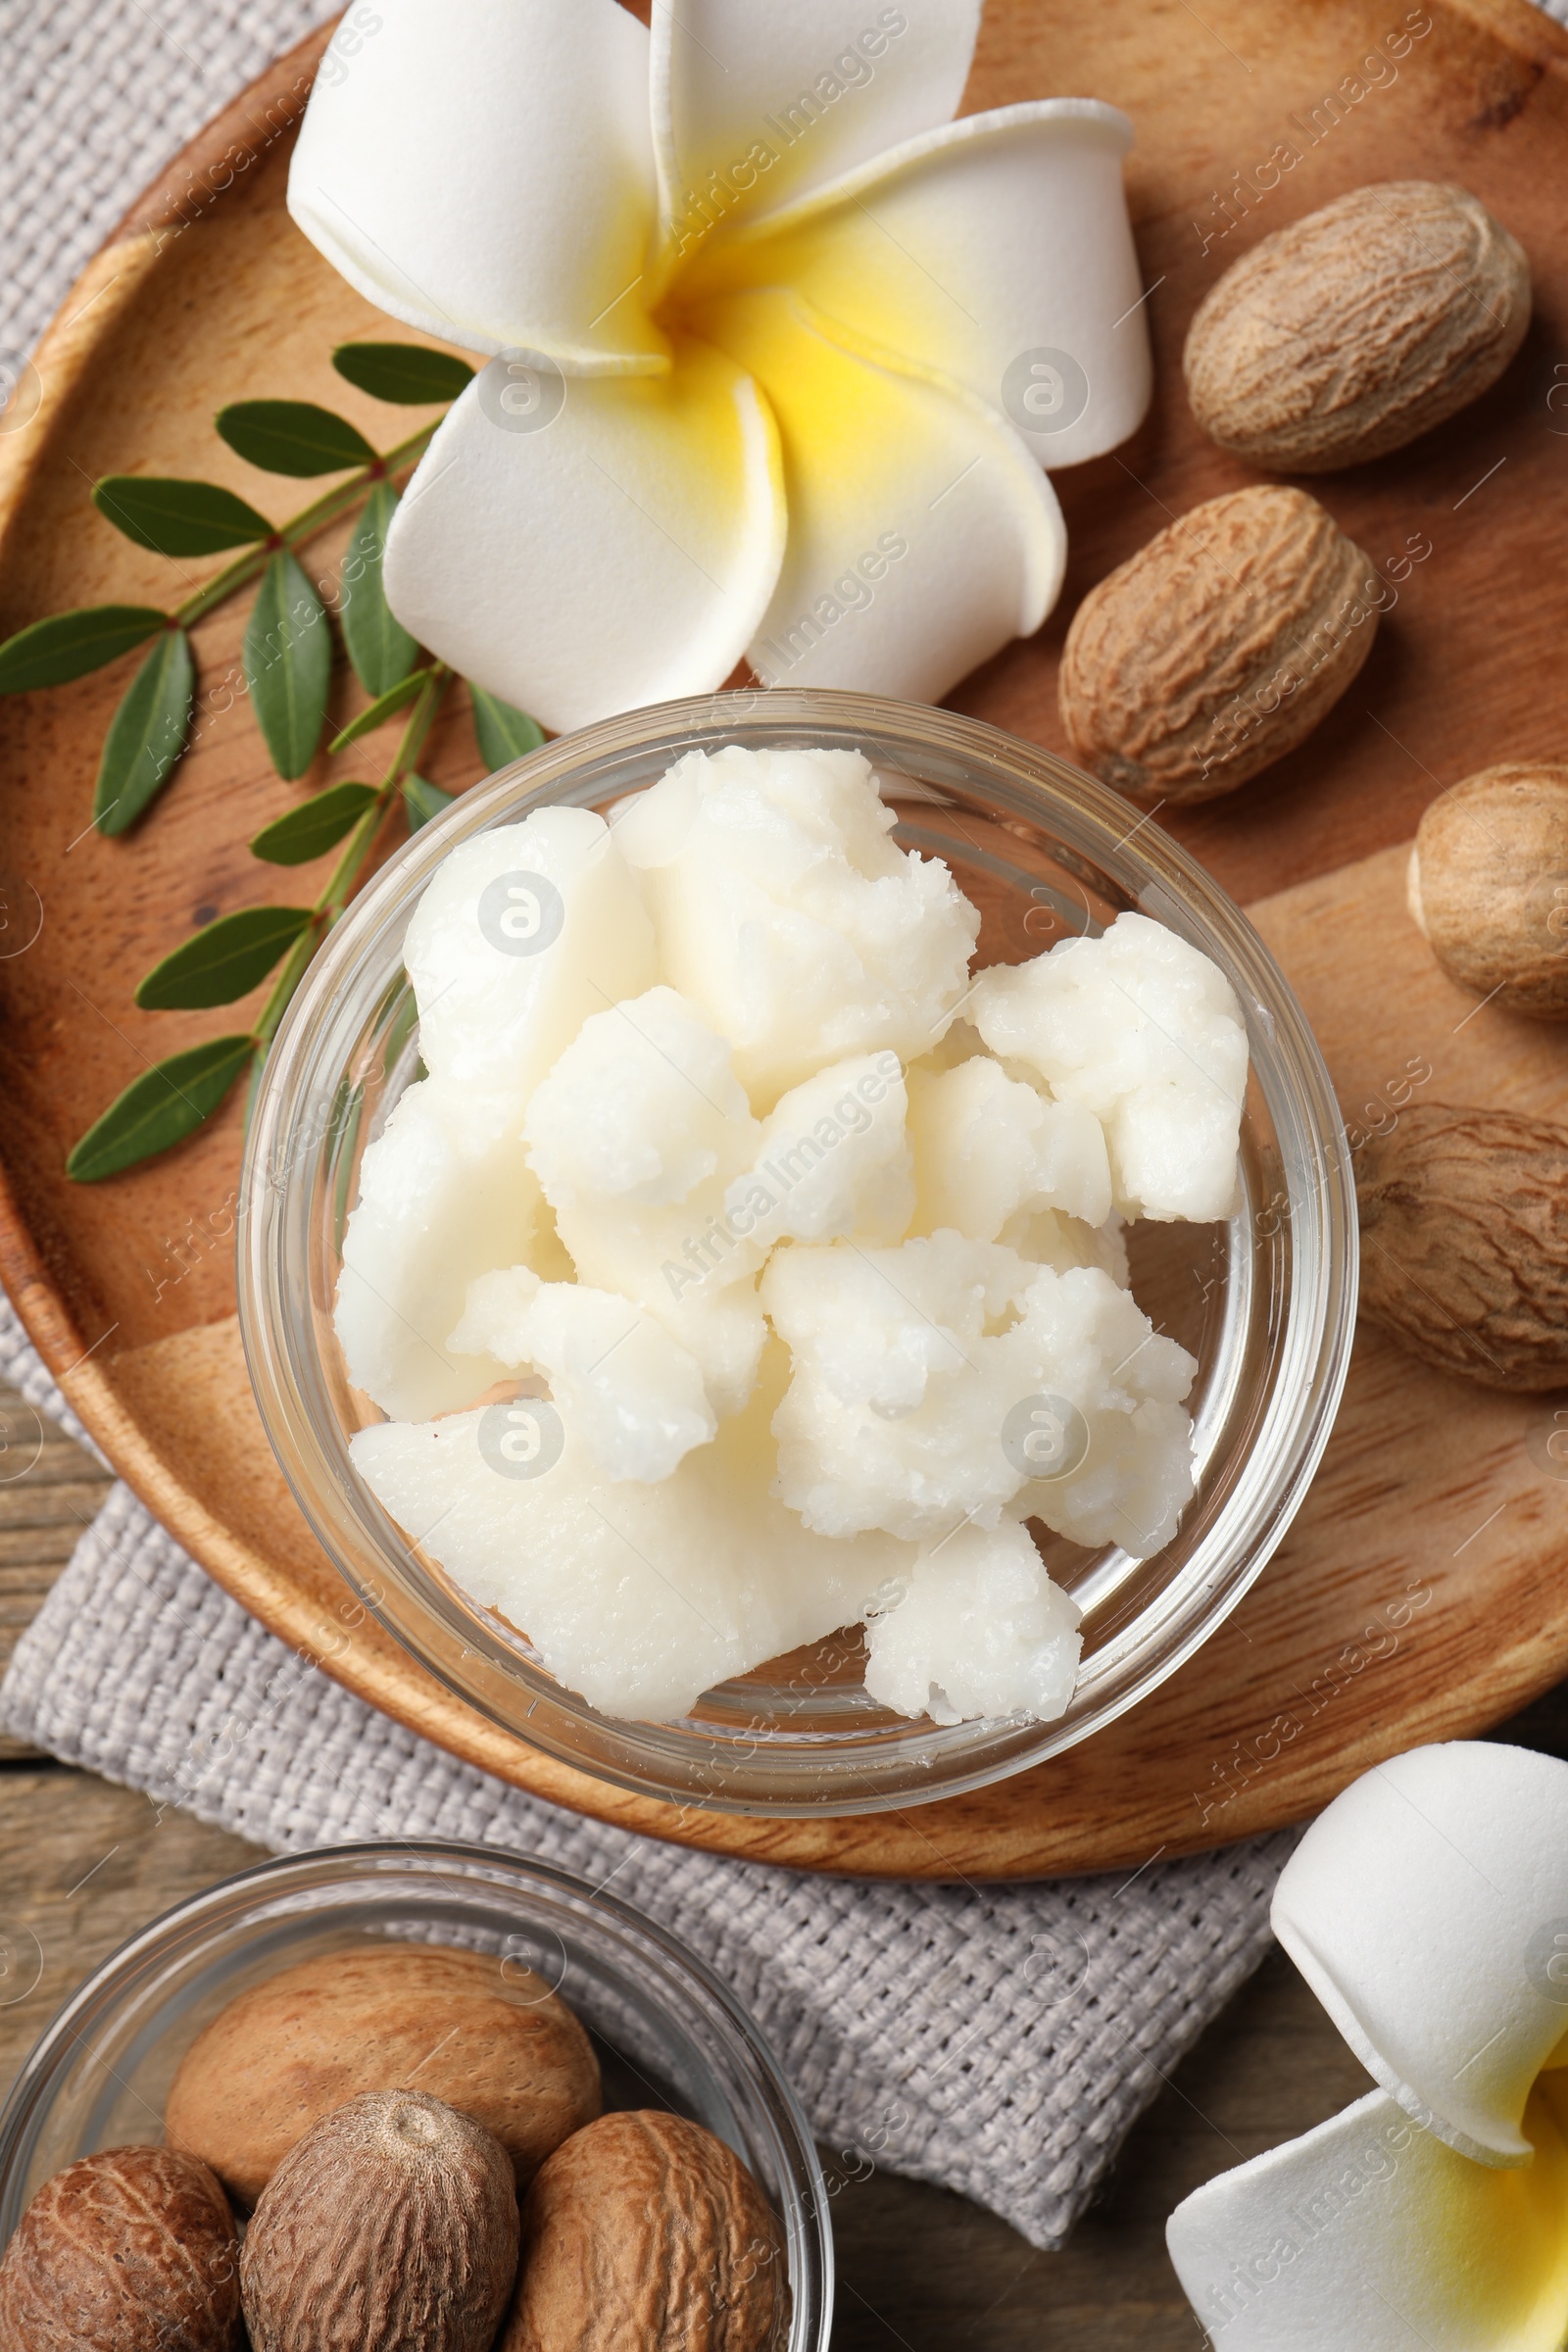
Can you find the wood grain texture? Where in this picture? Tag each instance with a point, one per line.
(50, 1492)
(1429, 1489)
(83, 1865)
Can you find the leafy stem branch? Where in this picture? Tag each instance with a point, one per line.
(289, 659)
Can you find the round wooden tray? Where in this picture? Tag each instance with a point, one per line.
(1420, 1593)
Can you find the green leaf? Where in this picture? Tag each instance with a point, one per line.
(225, 961)
(395, 697)
(288, 664)
(504, 733)
(409, 374)
(147, 733)
(379, 647)
(71, 644)
(424, 800)
(161, 1107)
(176, 517)
(310, 830)
(293, 436)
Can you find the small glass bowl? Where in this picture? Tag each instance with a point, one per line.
(666, 2031)
(1266, 1302)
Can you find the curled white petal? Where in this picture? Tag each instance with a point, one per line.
(922, 534)
(483, 169)
(755, 103)
(585, 545)
(994, 254)
(1370, 2236)
(1428, 1910)
(919, 314)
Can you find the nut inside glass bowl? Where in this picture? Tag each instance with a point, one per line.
(1265, 1301)
(667, 2033)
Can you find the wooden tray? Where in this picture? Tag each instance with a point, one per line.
(1420, 1593)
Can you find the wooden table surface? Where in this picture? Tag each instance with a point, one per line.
(83, 1864)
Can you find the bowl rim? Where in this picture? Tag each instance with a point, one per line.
(494, 1865)
(1053, 793)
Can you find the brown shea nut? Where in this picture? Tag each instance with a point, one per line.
(645, 2234)
(1218, 647)
(1347, 333)
(486, 2035)
(1487, 885)
(392, 2225)
(1464, 1226)
(131, 2251)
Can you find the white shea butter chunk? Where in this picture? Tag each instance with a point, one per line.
(960, 1042)
(1047, 1238)
(641, 1107)
(444, 1194)
(789, 917)
(1135, 1480)
(934, 1382)
(982, 1631)
(832, 1158)
(634, 1136)
(683, 1265)
(521, 935)
(634, 1395)
(987, 1146)
(638, 1596)
(1147, 1033)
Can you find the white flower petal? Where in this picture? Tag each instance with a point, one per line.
(483, 169)
(622, 554)
(922, 536)
(995, 254)
(755, 102)
(1428, 1910)
(1369, 2236)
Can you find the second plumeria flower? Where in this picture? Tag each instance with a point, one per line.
(1428, 1910)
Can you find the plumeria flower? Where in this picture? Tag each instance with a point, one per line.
(777, 350)
(1428, 1910)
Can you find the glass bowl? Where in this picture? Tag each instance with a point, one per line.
(666, 2031)
(1265, 1301)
